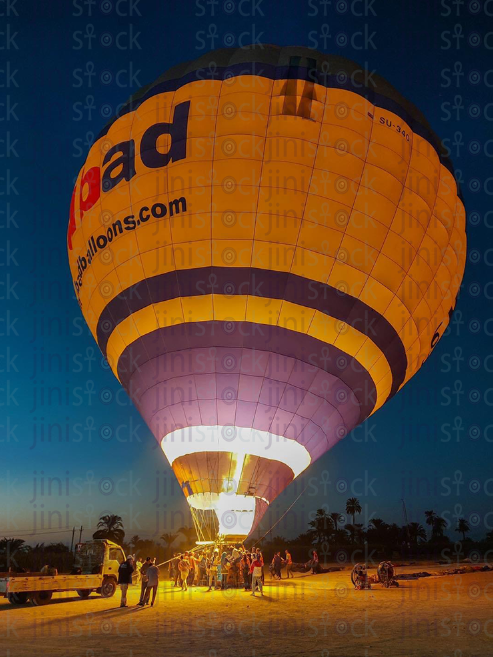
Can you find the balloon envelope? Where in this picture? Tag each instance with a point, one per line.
(266, 244)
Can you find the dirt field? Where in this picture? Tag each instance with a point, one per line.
(449, 616)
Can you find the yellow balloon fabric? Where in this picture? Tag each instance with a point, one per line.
(274, 204)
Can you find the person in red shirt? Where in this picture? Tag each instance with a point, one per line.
(256, 569)
(260, 557)
(314, 565)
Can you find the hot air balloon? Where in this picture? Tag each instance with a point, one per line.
(266, 243)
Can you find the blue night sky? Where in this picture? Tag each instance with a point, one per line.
(431, 444)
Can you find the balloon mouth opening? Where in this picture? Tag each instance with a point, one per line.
(235, 514)
(231, 474)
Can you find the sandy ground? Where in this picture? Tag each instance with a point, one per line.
(449, 616)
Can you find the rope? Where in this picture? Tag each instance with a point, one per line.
(195, 549)
(287, 510)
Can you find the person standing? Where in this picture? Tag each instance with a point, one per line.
(213, 563)
(202, 570)
(171, 570)
(289, 565)
(277, 563)
(256, 571)
(245, 564)
(152, 583)
(260, 557)
(176, 570)
(222, 571)
(193, 568)
(143, 577)
(315, 562)
(184, 568)
(125, 578)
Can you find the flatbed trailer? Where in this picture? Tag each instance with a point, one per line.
(102, 556)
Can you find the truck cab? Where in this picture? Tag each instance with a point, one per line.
(114, 558)
(99, 557)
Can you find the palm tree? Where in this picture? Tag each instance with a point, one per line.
(359, 533)
(39, 547)
(11, 549)
(394, 533)
(278, 542)
(189, 533)
(146, 547)
(110, 527)
(463, 527)
(12, 545)
(431, 517)
(336, 519)
(59, 547)
(377, 531)
(168, 538)
(378, 524)
(305, 538)
(353, 507)
(416, 532)
(439, 525)
(134, 541)
(351, 531)
(321, 526)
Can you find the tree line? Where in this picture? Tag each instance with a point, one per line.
(327, 528)
(333, 538)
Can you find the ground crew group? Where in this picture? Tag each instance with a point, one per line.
(211, 568)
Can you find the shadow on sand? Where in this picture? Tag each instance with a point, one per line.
(55, 601)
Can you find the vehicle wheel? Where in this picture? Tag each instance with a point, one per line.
(108, 588)
(39, 598)
(17, 598)
(84, 593)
